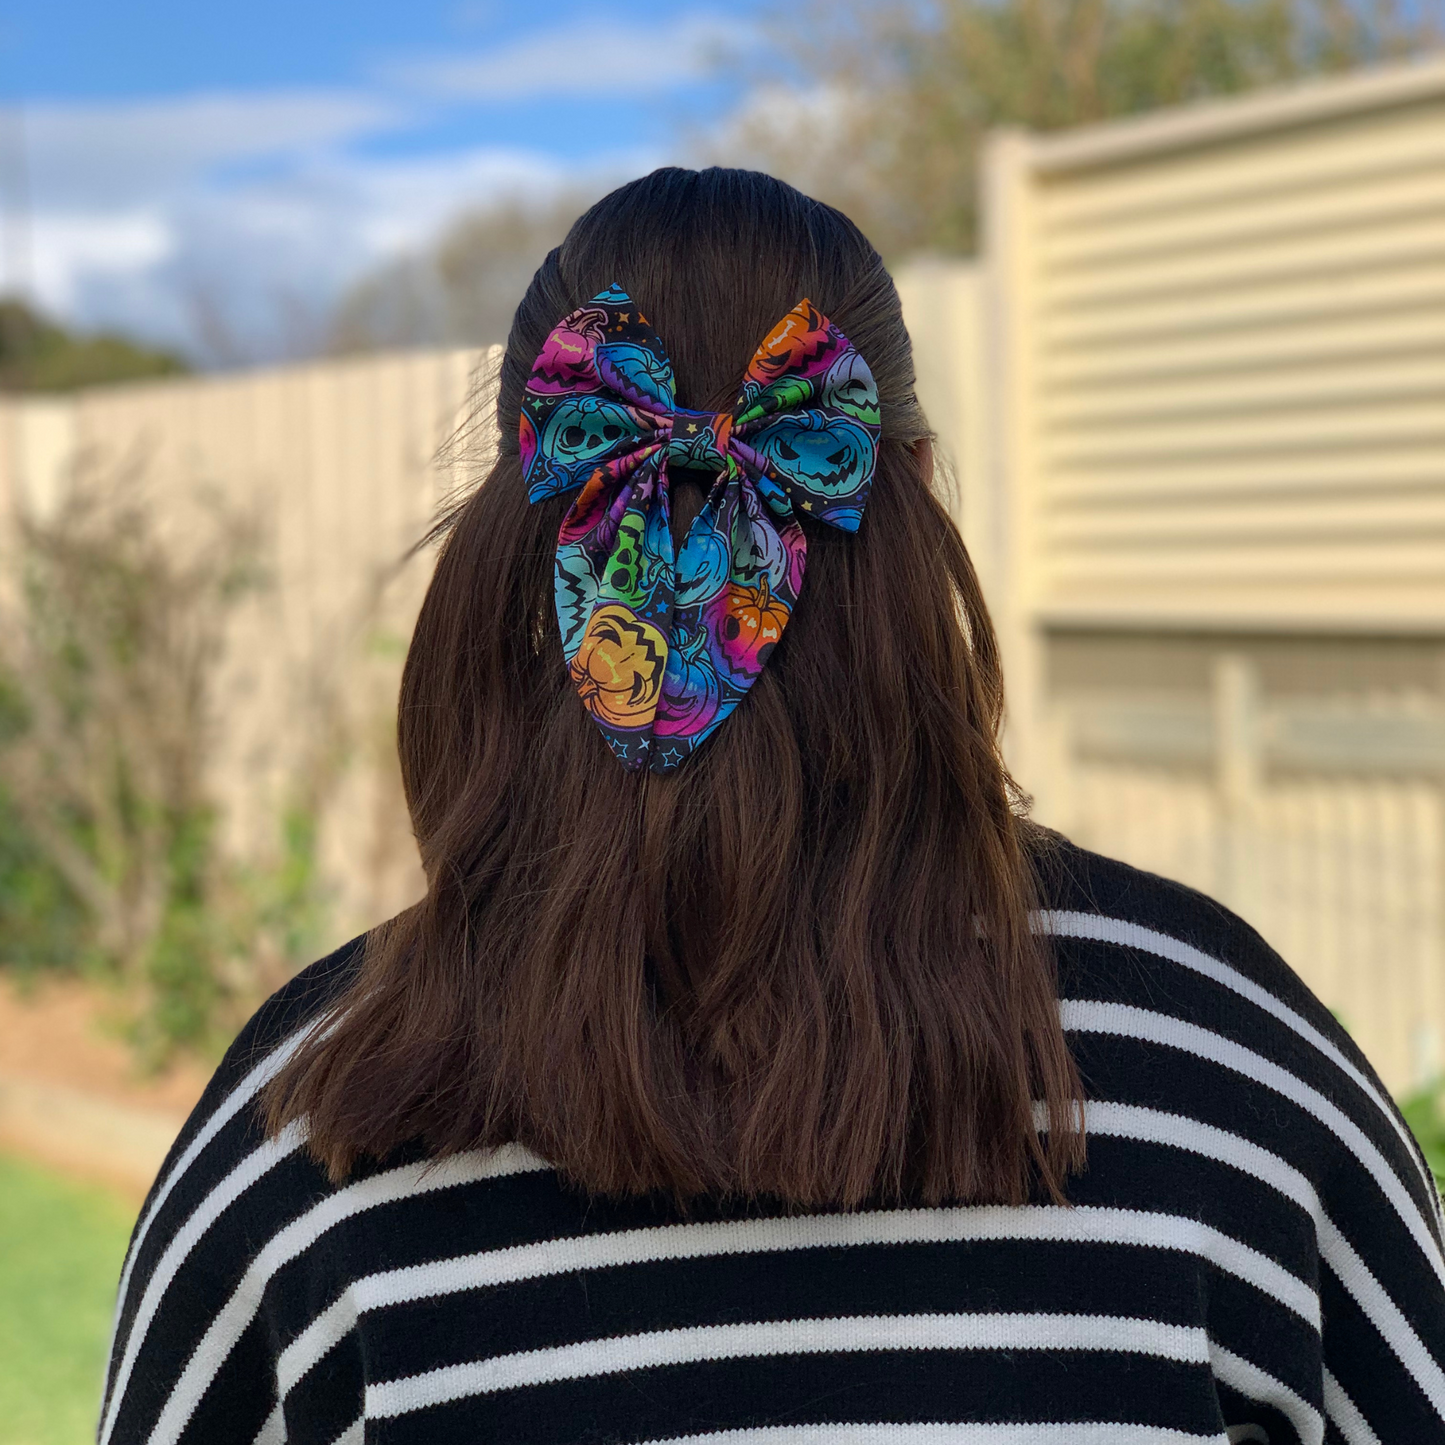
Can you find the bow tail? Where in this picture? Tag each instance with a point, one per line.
(738, 578)
(614, 586)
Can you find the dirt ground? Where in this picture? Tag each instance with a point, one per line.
(71, 1094)
(62, 1031)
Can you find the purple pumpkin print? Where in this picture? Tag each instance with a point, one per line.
(566, 360)
(759, 549)
(691, 691)
(797, 548)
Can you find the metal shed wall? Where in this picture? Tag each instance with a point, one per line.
(1215, 438)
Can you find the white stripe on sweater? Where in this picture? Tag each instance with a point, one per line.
(1082, 1224)
(1382, 1311)
(311, 1346)
(1063, 923)
(237, 1313)
(253, 1167)
(273, 1432)
(1346, 1414)
(1180, 1131)
(1255, 1384)
(1072, 1224)
(1126, 1021)
(1185, 1343)
(315, 1342)
(225, 1111)
(1150, 1125)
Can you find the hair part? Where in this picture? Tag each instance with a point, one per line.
(802, 966)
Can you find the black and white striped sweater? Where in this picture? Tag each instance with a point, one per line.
(1252, 1255)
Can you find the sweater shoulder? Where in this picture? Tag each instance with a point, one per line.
(1074, 880)
(224, 1188)
(1175, 999)
(1151, 928)
(298, 1002)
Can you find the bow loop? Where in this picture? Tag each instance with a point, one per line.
(660, 648)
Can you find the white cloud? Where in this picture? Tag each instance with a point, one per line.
(402, 204)
(786, 117)
(67, 247)
(140, 206)
(579, 61)
(249, 250)
(83, 155)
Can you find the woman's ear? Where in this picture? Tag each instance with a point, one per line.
(923, 450)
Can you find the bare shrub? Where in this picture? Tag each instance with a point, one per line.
(114, 626)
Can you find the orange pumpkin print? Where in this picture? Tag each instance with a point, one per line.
(790, 346)
(619, 666)
(747, 623)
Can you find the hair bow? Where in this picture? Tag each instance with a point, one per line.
(662, 650)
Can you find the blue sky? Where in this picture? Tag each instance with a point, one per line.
(188, 165)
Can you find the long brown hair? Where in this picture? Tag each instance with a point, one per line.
(802, 965)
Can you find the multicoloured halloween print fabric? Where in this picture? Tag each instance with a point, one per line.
(662, 649)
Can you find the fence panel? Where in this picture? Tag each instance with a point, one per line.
(342, 464)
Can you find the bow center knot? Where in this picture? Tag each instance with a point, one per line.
(699, 439)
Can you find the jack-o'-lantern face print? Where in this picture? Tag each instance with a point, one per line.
(583, 428)
(702, 565)
(746, 624)
(829, 457)
(801, 344)
(565, 362)
(618, 669)
(759, 553)
(634, 567)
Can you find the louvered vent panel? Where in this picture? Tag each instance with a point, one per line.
(1238, 378)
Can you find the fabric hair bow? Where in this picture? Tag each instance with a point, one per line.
(662, 650)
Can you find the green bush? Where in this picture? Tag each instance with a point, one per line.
(42, 923)
(1424, 1112)
(38, 355)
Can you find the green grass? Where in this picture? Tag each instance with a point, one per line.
(61, 1246)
